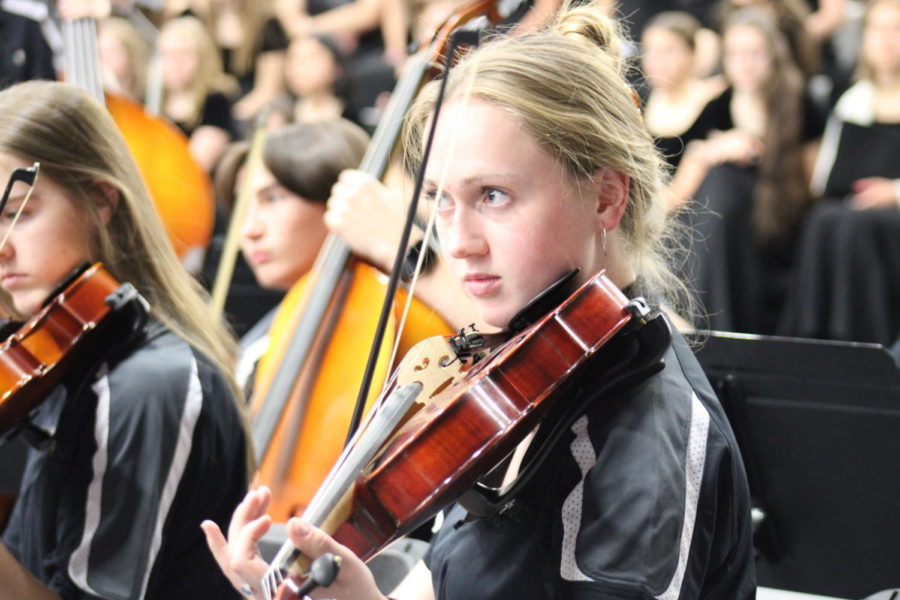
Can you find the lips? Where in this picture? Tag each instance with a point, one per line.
(12, 280)
(481, 284)
(259, 257)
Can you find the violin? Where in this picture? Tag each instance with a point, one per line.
(455, 429)
(34, 359)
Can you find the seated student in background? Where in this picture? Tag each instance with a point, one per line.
(196, 91)
(251, 43)
(677, 95)
(644, 496)
(144, 435)
(284, 227)
(124, 58)
(360, 27)
(744, 188)
(792, 18)
(847, 279)
(318, 82)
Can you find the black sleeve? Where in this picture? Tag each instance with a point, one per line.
(274, 38)
(814, 119)
(715, 116)
(217, 112)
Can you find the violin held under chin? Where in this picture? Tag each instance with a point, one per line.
(454, 415)
(83, 315)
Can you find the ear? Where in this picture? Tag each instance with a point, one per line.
(612, 189)
(106, 200)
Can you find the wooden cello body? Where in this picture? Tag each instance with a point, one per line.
(181, 190)
(311, 433)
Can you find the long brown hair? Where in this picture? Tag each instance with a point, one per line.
(781, 196)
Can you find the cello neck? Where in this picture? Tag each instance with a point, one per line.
(82, 56)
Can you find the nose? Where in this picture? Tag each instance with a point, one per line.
(463, 236)
(6, 249)
(252, 227)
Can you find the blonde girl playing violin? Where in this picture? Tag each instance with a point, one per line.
(143, 439)
(548, 168)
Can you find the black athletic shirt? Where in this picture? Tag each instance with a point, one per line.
(645, 497)
(146, 446)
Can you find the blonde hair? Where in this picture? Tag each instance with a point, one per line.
(210, 75)
(79, 147)
(864, 71)
(566, 85)
(138, 50)
(252, 15)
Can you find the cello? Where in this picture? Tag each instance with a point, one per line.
(181, 190)
(299, 409)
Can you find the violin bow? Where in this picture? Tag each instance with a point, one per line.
(28, 176)
(458, 38)
(227, 261)
(469, 38)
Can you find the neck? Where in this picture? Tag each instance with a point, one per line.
(678, 90)
(888, 82)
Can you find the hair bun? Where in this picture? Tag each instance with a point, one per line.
(590, 22)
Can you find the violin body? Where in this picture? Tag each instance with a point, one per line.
(465, 428)
(33, 360)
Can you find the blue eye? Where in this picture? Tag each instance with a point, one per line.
(493, 196)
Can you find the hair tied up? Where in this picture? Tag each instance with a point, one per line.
(590, 22)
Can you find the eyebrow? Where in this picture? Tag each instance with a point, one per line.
(480, 177)
(21, 196)
(272, 186)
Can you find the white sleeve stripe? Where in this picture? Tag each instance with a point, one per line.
(585, 457)
(193, 405)
(30, 9)
(80, 558)
(693, 474)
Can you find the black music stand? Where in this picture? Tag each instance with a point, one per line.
(818, 424)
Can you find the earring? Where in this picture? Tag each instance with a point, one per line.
(603, 240)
